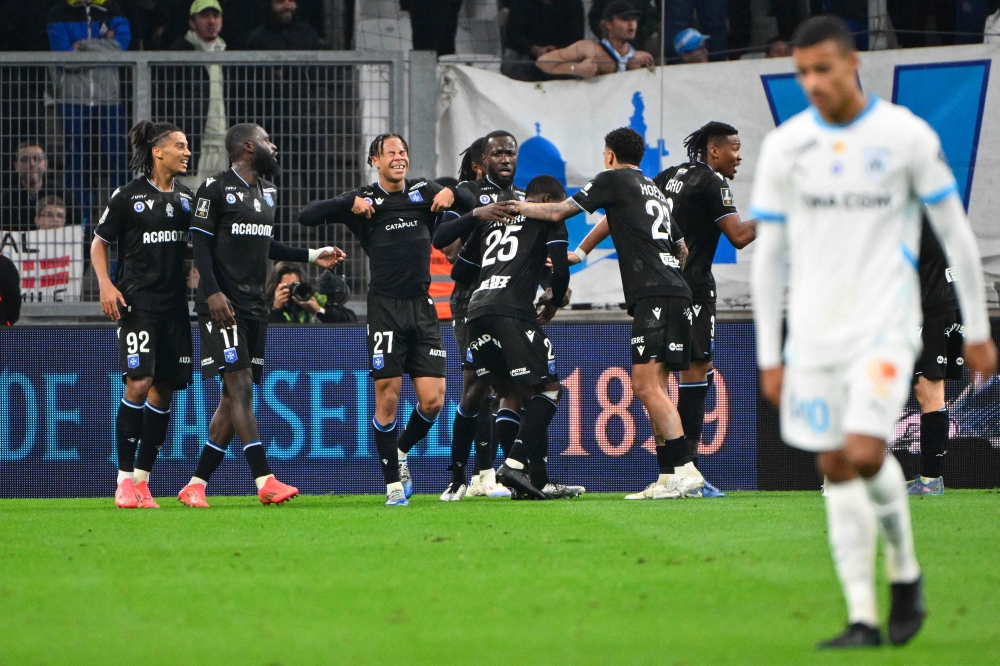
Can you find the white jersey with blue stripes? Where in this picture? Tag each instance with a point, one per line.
(849, 197)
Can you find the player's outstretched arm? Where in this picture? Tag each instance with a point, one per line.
(341, 209)
(452, 228)
(739, 233)
(548, 212)
(325, 257)
(592, 240)
(769, 276)
(947, 218)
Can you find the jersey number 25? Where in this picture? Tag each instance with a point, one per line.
(661, 215)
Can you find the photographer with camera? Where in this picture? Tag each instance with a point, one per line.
(295, 301)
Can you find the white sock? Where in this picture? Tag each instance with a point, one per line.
(488, 476)
(663, 479)
(195, 479)
(851, 520)
(123, 475)
(887, 491)
(513, 464)
(261, 480)
(140, 475)
(389, 487)
(400, 456)
(687, 469)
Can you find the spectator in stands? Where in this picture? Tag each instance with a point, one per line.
(32, 182)
(88, 98)
(535, 27)
(10, 292)
(197, 94)
(778, 48)
(433, 24)
(712, 17)
(690, 46)
(586, 59)
(283, 31)
(647, 20)
(287, 309)
(50, 213)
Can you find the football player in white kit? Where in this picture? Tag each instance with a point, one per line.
(838, 193)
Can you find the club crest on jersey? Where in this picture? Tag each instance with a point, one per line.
(170, 210)
(484, 199)
(876, 162)
(268, 199)
(415, 197)
(368, 200)
(139, 206)
(230, 198)
(727, 196)
(229, 355)
(378, 361)
(256, 205)
(185, 205)
(552, 367)
(468, 355)
(133, 361)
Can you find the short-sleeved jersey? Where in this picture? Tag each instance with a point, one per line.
(397, 237)
(484, 191)
(849, 197)
(937, 295)
(643, 231)
(698, 198)
(151, 229)
(511, 258)
(241, 218)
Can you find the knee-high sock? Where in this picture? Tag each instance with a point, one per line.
(852, 532)
(534, 423)
(385, 444)
(463, 431)
(486, 445)
(154, 432)
(691, 407)
(257, 459)
(507, 425)
(416, 429)
(128, 429)
(887, 491)
(538, 458)
(209, 460)
(933, 443)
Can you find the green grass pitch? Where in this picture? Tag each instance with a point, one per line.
(344, 580)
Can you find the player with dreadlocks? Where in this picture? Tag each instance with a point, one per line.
(701, 202)
(394, 219)
(148, 218)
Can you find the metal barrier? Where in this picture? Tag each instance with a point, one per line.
(64, 119)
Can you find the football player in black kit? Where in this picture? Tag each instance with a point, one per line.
(508, 347)
(651, 255)
(940, 359)
(149, 219)
(232, 226)
(394, 219)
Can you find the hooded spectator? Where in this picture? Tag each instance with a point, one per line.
(284, 31)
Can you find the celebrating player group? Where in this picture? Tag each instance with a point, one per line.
(857, 224)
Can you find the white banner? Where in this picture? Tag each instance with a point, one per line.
(561, 125)
(50, 262)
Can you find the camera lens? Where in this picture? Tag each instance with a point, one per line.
(302, 291)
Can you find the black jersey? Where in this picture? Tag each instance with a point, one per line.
(510, 258)
(397, 237)
(483, 191)
(241, 218)
(644, 233)
(937, 295)
(151, 229)
(698, 198)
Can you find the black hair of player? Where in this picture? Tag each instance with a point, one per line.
(238, 135)
(143, 136)
(697, 141)
(465, 171)
(545, 185)
(627, 145)
(819, 29)
(375, 149)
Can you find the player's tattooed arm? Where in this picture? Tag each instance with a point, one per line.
(548, 212)
(682, 252)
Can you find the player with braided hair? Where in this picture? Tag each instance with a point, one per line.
(148, 218)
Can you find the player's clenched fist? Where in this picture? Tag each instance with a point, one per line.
(362, 207)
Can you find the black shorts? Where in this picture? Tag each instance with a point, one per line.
(404, 337)
(661, 331)
(461, 327)
(702, 331)
(157, 346)
(943, 338)
(232, 348)
(504, 349)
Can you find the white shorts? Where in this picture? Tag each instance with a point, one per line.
(821, 406)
